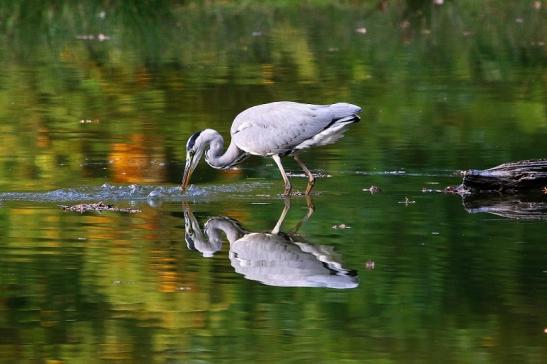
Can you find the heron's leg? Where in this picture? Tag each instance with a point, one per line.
(311, 178)
(286, 208)
(311, 210)
(288, 187)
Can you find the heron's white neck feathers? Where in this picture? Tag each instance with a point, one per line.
(215, 156)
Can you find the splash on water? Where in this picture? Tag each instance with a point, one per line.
(108, 192)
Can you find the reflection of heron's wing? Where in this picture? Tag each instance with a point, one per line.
(275, 260)
(323, 253)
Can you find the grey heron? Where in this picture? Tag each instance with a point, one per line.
(273, 130)
(273, 258)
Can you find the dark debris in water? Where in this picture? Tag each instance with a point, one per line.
(407, 201)
(97, 207)
(341, 226)
(372, 189)
(316, 174)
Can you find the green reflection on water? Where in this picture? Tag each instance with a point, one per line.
(447, 87)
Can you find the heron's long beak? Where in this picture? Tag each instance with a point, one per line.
(191, 164)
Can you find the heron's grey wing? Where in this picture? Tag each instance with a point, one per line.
(280, 127)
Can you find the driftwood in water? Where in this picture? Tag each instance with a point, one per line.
(515, 190)
(97, 207)
(528, 175)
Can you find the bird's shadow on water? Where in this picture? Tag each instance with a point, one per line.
(274, 258)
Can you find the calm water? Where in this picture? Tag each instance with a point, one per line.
(96, 104)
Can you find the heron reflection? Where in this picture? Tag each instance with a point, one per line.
(273, 258)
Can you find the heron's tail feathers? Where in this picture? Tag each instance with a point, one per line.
(343, 115)
(344, 110)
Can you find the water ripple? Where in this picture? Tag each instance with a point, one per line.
(133, 192)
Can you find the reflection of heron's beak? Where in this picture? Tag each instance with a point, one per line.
(189, 223)
(191, 164)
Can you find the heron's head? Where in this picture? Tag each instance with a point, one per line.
(195, 147)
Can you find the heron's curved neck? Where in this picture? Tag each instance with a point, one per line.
(216, 157)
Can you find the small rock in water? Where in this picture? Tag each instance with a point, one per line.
(100, 37)
(341, 226)
(425, 189)
(373, 189)
(407, 201)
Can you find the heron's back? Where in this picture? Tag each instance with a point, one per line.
(284, 127)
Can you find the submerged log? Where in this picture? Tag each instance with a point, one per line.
(528, 175)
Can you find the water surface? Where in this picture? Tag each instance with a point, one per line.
(97, 101)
